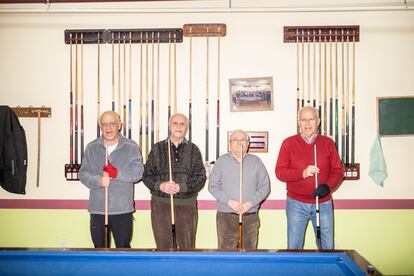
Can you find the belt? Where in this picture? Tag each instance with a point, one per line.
(245, 214)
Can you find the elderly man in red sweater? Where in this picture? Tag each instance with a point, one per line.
(296, 166)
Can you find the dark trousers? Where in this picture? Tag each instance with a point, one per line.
(185, 224)
(119, 225)
(228, 230)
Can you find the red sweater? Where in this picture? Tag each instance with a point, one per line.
(295, 155)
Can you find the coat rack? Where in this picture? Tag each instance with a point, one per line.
(35, 112)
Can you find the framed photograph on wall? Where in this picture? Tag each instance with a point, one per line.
(259, 141)
(251, 94)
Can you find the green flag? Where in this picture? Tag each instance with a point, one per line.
(377, 167)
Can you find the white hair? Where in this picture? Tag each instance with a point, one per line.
(234, 132)
(310, 107)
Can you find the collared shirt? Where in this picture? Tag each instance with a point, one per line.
(177, 149)
(309, 141)
(235, 157)
(183, 140)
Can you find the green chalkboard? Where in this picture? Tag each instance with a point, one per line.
(395, 115)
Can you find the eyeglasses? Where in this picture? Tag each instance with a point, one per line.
(108, 125)
(179, 124)
(309, 120)
(239, 141)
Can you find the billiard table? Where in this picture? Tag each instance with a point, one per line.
(19, 261)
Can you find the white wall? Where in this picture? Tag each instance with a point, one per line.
(34, 70)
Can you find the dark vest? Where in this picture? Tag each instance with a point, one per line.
(13, 152)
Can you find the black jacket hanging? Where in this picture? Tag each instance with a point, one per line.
(13, 152)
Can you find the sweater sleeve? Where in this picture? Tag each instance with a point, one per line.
(197, 179)
(263, 185)
(86, 173)
(215, 186)
(283, 170)
(151, 176)
(133, 171)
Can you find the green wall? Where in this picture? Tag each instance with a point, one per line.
(384, 237)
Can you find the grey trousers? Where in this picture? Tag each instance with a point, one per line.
(228, 230)
(185, 224)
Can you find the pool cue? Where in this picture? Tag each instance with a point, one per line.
(353, 101)
(140, 96)
(318, 221)
(76, 99)
(330, 87)
(124, 127)
(343, 102)
(297, 78)
(347, 102)
(82, 138)
(325, 88)
(39, 133)
(218, 97)
(314, 69)
(309, 93)
(169, 76)
(320, 80)
(113, 73)
(71, 105)
(336, 91)
(119, 73)
(130, 89)
(106, 205)
(241, 199)
(302, 91)
(174, 236)
(157, 131)
(190, 91)
(152, 91)
(207, 98)
(146, 98)
(175, 73)
(98, 100)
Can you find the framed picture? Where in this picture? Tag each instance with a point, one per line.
(251, 94)
(259, 141)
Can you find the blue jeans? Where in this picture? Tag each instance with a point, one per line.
(298, 215)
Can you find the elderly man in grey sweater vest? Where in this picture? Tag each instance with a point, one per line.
(224, 185)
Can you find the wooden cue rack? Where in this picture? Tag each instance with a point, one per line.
(32, 112)
(312, 34)
(290, 33)
(116, 36)
(205, 30)
(90, 36)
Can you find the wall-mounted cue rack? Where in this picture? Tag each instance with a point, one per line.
(128, 35)
(325, 70)
(147, 105)
(317, 33)
(206, 31)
